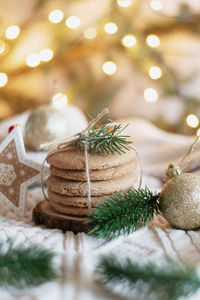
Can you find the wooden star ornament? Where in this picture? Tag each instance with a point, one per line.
(16, 171)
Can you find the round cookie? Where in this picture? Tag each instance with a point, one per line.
(69, 210)
(104, 174)
(81, 202)
(98, 188)
(74, 159)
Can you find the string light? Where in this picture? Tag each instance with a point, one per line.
(59, 100)
(192, 121)
(155, 72)
(129, 41)
(156, 5)
(110, 28)
(33, 60)
(153, 41)
(2, 47)
(90, 33)
(56, 16)
(150, 95)
(46, 55)
(124, 3)
(109, 67)
(3, 79)
(73, 22)
(12, 32)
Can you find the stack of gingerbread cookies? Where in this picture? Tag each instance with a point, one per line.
(68, 186)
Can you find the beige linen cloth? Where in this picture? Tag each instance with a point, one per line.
(78, 254)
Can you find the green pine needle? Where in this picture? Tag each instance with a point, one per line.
(104, 141)
(25, 266)
(169, 281)
(123, 213)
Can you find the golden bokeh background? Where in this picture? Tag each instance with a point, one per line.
(139, 57)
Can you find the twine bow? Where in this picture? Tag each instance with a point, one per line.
(67, 143)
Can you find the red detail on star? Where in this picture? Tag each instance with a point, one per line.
(11, 128)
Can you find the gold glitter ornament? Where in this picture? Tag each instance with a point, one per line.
(45, 124)
(179, 200)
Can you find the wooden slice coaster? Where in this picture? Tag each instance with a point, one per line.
(44, 214)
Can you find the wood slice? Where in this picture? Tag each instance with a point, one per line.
(44, 214)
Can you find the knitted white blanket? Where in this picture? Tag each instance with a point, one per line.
(78, 254)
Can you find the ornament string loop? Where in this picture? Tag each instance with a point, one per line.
(174, 170)
(67, 143)
(186, 159)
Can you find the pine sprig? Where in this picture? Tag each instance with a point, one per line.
(169, 281)
(25, 266)
(123, 213)
(104, 141)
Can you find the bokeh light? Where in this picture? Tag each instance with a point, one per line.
(109, 68)
(33, 60)
(2, 47)
(153, 41)
(192, 121)
(156, 5)
(155, 72)
(56, 16)
(46, 55)
(150, 95)
(129, 41)
(12, 32)
(124, 3)
(3, 79)
(90, 33)
(73, 22)
(110, 28)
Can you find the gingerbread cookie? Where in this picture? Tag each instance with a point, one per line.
(104, 174)
(69, 210)
(98, 188)
(75, 201)
(74, 159)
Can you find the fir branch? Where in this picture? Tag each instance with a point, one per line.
(123, 213)
(25, 266)
(104, 141)
(169, 281)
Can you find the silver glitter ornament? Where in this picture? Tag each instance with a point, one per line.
(45, 124)
(179, 200)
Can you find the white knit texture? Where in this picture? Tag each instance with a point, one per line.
(78, 254)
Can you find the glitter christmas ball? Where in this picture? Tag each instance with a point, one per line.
(48, 123)
(180, 201)
(45, 124)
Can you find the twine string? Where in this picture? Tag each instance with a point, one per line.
(140, 165)
(177, 169)
(42, 180)
(87, 175)
(186, 159)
